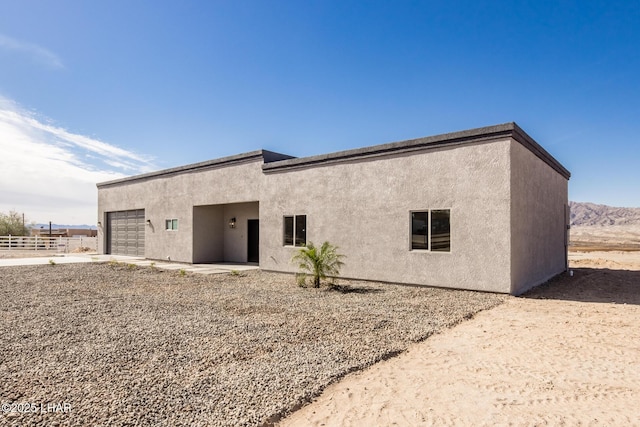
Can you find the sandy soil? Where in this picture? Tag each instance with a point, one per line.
(566, 354)
(623, 237)
(16, 253)
(27, 254)
(616, 260)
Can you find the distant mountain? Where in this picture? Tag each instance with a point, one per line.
(591, 214)
(56, 226)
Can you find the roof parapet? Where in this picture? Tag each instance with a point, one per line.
(489, 133)
(276, 162)
(264, 155)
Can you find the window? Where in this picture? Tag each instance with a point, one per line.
(301, 230)
(431, 230)
(171, 224)
(440, 231)
(288, 231)
(419, 230)
(295, 230)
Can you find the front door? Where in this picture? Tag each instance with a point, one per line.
(253, 252)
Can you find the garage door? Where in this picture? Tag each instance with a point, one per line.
(125, 232)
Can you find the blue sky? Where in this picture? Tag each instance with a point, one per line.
(93, 90)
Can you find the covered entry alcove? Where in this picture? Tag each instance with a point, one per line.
(226, 233)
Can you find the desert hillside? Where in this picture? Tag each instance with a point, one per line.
(596, 226)
(591, 214)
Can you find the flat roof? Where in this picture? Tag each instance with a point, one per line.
(264, 155)
(277, 162)
(489, 133)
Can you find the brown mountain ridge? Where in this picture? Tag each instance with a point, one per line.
(591, 214)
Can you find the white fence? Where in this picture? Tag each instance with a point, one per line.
(40, 243)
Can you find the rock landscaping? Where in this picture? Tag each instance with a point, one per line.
(117, 344)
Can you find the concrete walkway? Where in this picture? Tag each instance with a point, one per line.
(80, 258)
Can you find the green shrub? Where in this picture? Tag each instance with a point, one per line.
(52, 262)
(301, 279)
(319, 262)
(13, 224)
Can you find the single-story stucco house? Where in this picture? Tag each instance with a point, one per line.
(483, 209)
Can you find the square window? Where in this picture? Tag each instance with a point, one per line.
(431, 230)
(171, 224)
(295, 230)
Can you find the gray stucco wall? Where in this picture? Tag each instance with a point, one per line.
(208, 242)
(363, 206)
(506, 206)
(235, 239)
(214, 240)
(175, 196)
(539, 195)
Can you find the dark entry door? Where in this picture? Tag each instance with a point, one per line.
(253, 252)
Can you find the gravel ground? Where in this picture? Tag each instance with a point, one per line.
(114, 344)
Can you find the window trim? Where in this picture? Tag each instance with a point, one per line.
(430, 234)
(171, 224)
(294, 236)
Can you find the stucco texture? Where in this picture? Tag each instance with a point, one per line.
(363, 206)
(539, 197)
(175, 197)
(506, 204)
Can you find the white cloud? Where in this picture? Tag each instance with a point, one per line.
(34, 51)
(50, 174)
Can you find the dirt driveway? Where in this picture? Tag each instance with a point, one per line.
(566, 354)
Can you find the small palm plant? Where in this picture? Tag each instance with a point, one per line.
(319, 262)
